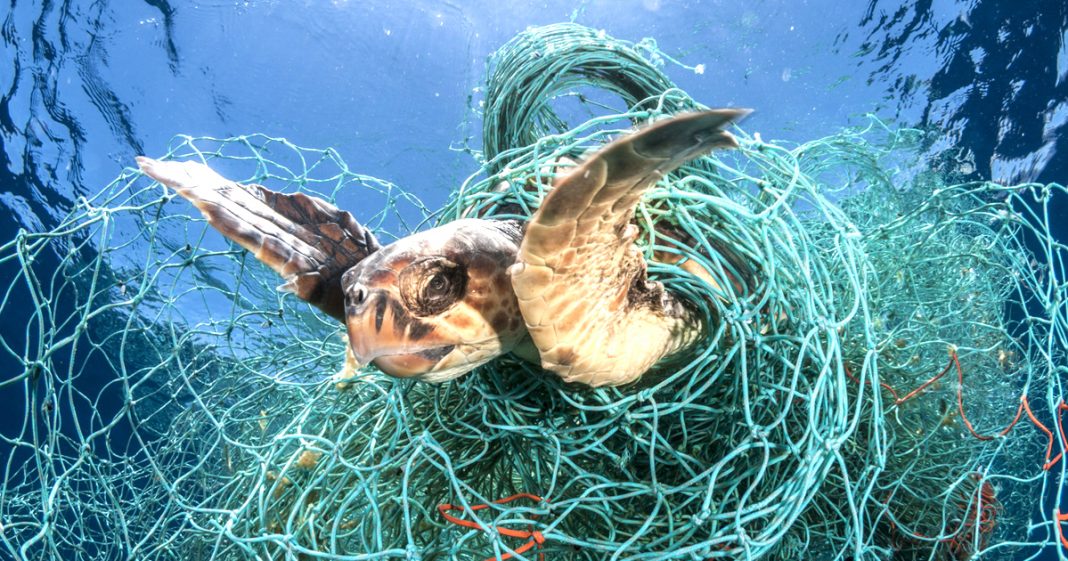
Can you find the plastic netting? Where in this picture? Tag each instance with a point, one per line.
(892, 388)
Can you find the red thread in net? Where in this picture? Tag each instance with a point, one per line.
(536, 538)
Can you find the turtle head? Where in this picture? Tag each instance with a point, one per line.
(435, 304)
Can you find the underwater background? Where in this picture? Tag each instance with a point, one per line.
(88, 85)
(394, 88)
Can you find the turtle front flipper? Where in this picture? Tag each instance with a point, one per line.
(581, 282)
(307, 240)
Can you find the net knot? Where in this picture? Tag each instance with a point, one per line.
(700, 518)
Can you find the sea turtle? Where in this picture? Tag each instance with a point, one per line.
(567, 290)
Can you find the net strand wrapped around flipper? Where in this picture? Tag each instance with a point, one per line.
(176, 406)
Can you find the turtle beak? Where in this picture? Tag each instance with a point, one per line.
(371, 325)
(361, 346)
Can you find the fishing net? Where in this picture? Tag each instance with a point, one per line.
(890, 387)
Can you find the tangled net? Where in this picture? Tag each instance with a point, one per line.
(891, 389)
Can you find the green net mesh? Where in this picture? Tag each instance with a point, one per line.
(892, 388)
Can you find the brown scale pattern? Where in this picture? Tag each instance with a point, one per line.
(580, 281)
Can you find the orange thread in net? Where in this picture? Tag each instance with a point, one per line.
(953, 362)
(987, 504)
(536, 538)
(1049, 434)
(960, 402)
(982, 509)
(1060, 532)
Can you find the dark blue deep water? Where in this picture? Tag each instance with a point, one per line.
(85, 86)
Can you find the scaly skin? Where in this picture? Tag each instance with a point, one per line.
(582, 283)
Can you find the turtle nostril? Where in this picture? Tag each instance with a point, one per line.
(358, 294)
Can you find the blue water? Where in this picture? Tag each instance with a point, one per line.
(87, 85)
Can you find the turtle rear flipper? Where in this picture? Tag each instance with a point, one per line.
(307, 240)
(581, 282)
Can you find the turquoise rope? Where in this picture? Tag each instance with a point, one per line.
(219, 433)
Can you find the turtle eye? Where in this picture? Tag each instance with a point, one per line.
(432, 285)
(437, 286)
